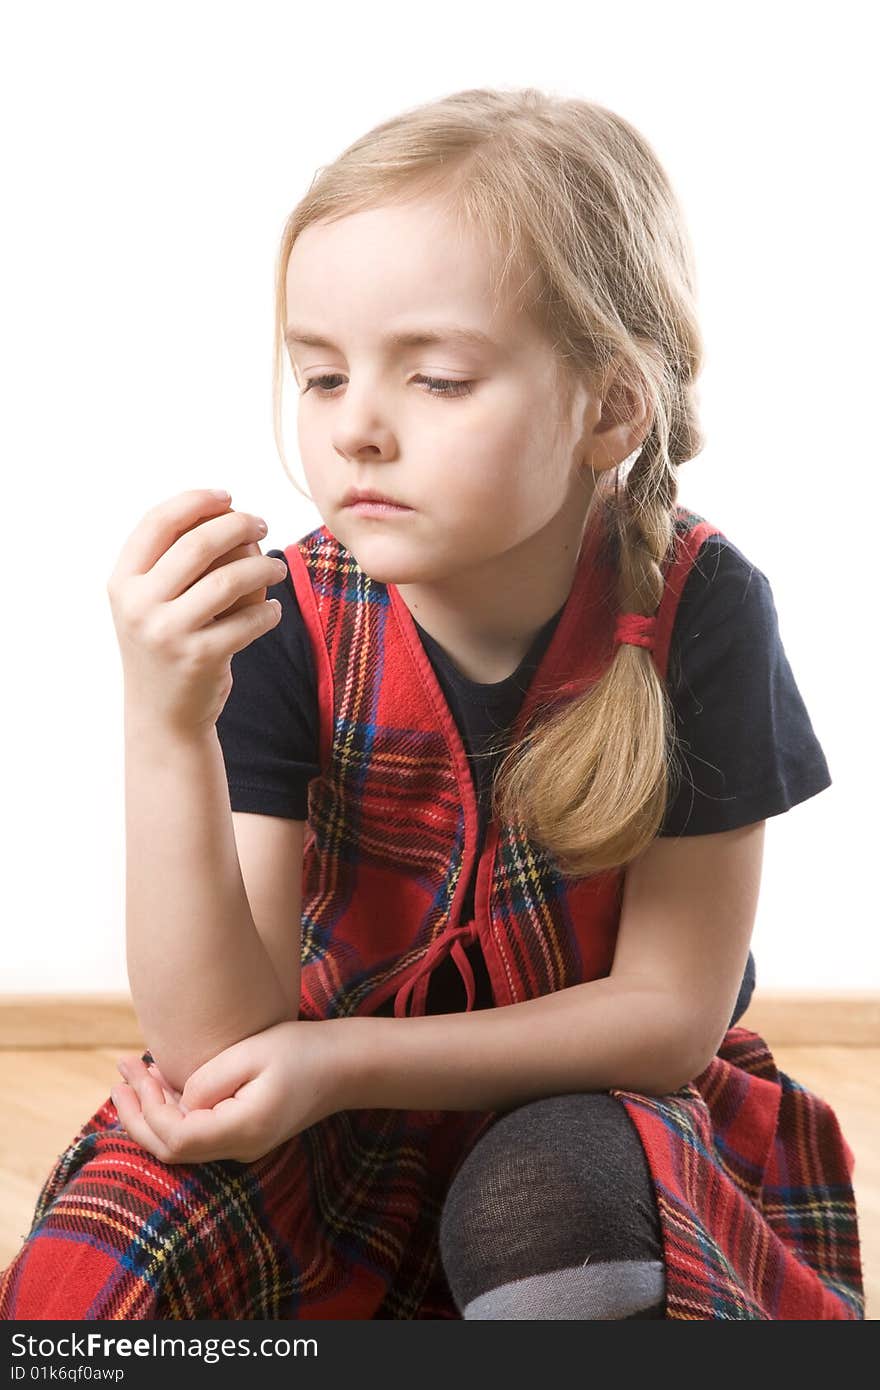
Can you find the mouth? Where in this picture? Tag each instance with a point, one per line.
(376, 506)
(377, 509)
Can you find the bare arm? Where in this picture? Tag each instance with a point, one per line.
(201, 978)
(589, 1037)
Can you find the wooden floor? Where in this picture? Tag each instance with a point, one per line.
(46, 1096)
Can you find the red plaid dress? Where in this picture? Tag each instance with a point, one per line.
(751, 1173)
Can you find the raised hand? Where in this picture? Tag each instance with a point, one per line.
(182, 608)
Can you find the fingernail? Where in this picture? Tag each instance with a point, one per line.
(114, 1098)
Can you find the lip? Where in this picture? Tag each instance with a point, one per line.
(369, 497)
(373, 508)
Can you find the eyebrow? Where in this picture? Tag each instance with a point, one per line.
(415, 337)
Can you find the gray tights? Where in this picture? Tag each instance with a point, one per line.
(552, 1215)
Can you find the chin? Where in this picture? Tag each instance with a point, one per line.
(389, 572)
(379, 558)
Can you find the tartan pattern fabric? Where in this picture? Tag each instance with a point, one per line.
(338, 1222)
(752, 1178)
(751, 1182)
(392, 823)
(751, 1173)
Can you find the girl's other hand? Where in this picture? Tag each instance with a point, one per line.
(242, 1103)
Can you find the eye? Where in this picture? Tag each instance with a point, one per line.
(438, 386)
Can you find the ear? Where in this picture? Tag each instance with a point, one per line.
(616, 423)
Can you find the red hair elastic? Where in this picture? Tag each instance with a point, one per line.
(636, 629)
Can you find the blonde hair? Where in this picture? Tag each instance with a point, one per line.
(577, 201)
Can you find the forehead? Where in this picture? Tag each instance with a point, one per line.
(404, 262)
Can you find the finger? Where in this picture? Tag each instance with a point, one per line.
(180, 567)
(173, 1097)
(163, 1128)
(135, 1125)
(244, 584)
(220, 1077)
(185, 1135)
(161, 1112)
(256, 595)
(165, 1084)
(135, 1071)
(161, 526)
(198, 1135)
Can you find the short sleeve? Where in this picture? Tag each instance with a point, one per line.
(746, 746)
(268, 728)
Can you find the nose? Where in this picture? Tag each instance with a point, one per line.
(364, 446)
(361, 426)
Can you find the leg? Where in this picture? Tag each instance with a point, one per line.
(118, 1234)
(552, 1215)
(307, 1231)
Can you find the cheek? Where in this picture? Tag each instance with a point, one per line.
(315, 476)
(487, 438)
(503, 454)
(304, 434)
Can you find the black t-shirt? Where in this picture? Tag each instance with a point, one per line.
(745, 738)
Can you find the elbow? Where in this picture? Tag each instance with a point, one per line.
(679, 1070)
(180, 1062)
(176, 1057)
(665, 1084)
(684, 1048)
(175, 1069)
(692, 1065)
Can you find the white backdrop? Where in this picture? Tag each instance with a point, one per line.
(151, 156)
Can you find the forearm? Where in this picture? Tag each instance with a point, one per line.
(590, 1037)
(200, 976)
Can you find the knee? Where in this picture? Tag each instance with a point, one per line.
(573, 1160)
(555, 1183)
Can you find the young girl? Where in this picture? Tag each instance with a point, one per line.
(439, 917)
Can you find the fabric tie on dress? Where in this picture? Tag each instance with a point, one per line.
(419, 983)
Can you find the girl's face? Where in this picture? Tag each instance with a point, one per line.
(469, 434)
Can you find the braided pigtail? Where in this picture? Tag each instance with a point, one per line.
(591, 783)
